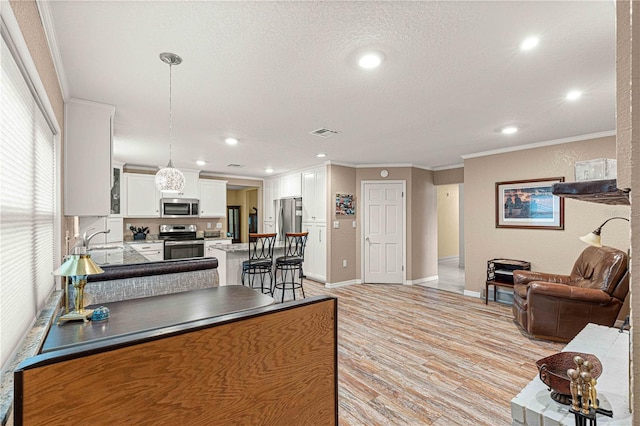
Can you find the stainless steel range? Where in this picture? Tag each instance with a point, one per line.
(180, 241)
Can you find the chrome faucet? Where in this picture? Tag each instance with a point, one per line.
(86, 239)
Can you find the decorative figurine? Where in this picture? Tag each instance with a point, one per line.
(574, 386)
(585, 378)
(584, 397)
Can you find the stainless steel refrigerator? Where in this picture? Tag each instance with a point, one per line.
(289, 214)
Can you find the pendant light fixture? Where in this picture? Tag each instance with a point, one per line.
(170, 179)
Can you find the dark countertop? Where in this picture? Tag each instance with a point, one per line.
(137, 315)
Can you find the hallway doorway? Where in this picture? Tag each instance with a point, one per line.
(451, 223)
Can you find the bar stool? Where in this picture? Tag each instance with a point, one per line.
(290, 264)
(260, 262)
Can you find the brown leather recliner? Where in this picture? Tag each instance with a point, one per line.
(557, 307)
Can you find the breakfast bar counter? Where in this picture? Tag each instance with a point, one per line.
(145, 314)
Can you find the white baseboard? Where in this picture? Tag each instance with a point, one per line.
(342, 283)
(447, 258)
(475, 294)
(422, 280)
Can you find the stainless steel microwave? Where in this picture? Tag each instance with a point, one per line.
(179, 207)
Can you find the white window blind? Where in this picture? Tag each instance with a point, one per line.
(27, 205)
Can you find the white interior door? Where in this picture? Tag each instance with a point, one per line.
(383, 232)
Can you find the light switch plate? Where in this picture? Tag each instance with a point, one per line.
(218, 225)
(336, 224)
(353, 224)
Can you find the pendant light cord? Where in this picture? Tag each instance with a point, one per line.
(170, 111)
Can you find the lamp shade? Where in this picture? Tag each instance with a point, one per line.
(78, 265)
(592, 239)
(169, 179)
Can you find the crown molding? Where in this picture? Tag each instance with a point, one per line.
(49, 30)
(449, 167)
(540, 144)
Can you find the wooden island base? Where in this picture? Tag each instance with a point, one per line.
(273, 365)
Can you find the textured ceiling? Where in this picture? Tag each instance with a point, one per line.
(268, 73)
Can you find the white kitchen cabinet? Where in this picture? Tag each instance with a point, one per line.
(314, 195)
(143, 198)
(93, 224)
(268, 197)
(221, 255)
(213, 198)
(315, 252)
(153, 251)
(116, 225)
(191, 186)
(87, 158)
(290, 186)
(117, 208)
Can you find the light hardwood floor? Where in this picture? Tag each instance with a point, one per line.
(411, 355)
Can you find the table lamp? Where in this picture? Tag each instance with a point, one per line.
(593, 238)
(77, 267)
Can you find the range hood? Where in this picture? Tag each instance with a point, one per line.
(594, 191)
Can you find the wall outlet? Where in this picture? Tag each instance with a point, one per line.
(344, 263)
(128, 225)
(336, 224)
(218, 225)
(208, 225)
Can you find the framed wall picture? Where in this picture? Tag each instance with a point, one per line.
(345, 204)
(529, 204)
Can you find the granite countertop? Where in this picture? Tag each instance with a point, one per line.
(147, 241)
(118, 255)
(243, 247)
(234, 247)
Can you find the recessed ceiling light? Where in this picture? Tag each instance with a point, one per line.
(370, 60)
(509, 130)
(573, 95)
(268, 170)
(529, 43)
(321, 155)
(200, 163)
(231, 141)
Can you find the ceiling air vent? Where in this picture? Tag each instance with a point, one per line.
(235, 165)
(324, 133)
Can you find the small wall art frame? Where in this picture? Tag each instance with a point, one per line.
(345, 204)
(529, 204)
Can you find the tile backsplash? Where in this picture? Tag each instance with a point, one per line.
(154, 224)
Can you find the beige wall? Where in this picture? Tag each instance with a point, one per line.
(448, 221)
(448, 176)
(421, 222)
(341, 242)
(395, 173)
(549, 251)
(422, 226)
